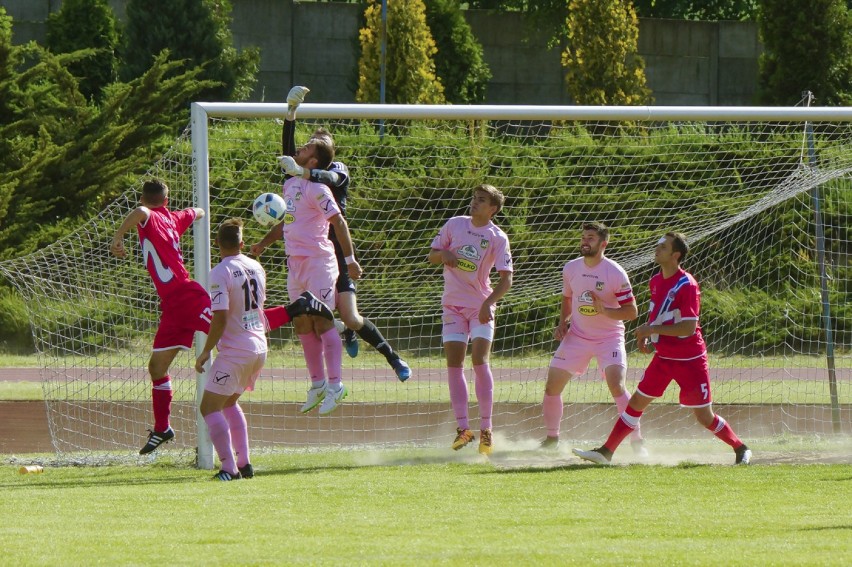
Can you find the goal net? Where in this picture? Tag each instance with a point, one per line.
(763, 196)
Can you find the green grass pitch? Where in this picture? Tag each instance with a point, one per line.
(428, 507)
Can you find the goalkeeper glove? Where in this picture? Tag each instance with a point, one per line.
(290, 167)
(295, 97)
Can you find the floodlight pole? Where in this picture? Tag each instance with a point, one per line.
(823, 283)
(383, 63)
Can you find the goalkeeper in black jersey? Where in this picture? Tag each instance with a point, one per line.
(336, 178)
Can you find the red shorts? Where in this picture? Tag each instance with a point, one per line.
(693, 377)
(183, 312)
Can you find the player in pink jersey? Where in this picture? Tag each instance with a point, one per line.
(184, 303)
(238, 330)
(680, 355)
(469, 247)
(596, 299)
(312, 266)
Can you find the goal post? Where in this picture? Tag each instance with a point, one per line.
(738, 181)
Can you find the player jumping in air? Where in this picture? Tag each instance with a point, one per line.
(312, 266)
(469, 247)
(336, 178)
(680, 355)
(596, 299)
(184, 303)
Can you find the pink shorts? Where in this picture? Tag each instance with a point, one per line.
(462, 323)
(575, 353)
(317, 275)
(184, 311)
(693, 377)
(234, 372)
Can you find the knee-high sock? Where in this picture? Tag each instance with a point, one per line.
(621, 403)
(551, 409)
(484, 386)
(276, 317)
(723, 431)
(239, 433)
(626, 422)
(217, 425)
(374, 337)
(312, 347)
(458, 395)
(332, 350)
(161, 400)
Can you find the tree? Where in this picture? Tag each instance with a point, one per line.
(807, 47)
(601, 60)
(86, 24)
(410, 72)
(707, 10)
(194, 30)
(459, 61)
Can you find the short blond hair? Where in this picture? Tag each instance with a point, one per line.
(496, 196)
(230, 233)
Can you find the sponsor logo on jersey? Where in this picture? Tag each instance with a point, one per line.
(289, 218)
(588, 309)
(599, 286)
(215, 297)
(483, 243)
(469, 251)
(299, 196)
(466, 265)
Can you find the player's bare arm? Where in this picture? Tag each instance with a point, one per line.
(682, 329)
(443, 257)
(497, 294)
(564, 317)
(341, 229)
(275, 234)
(134, 218)
(217, 328)
(626, 312)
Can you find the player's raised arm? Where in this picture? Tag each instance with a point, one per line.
(133, 219)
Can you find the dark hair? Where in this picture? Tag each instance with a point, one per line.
(496, 196)
(154, 191)
(599, 227)
(323, 150)
(679, 244)
(230, 233)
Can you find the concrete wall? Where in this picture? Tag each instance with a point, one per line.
(316, 44)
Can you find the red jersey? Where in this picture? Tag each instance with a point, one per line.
(673, 300)
(160, 240)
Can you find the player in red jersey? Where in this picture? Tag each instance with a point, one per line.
(184, 303)
(681, 355)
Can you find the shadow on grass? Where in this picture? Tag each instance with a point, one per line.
(102, 477)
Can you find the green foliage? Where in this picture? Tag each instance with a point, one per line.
(459, 61)
(66, 158)
(541, 17)
(197, 31)
(86, 24)
(602, 66)
(15, 332)
(410, 72)
(807, 47)
(708, 10)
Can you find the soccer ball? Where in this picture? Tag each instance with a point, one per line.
(269, 209)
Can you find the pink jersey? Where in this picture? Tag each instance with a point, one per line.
(309, 206)
(478, 249)
(160, 240)
(238, 285)
(673, 300)
(610, 282)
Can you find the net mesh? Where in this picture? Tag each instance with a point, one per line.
(744, 193)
